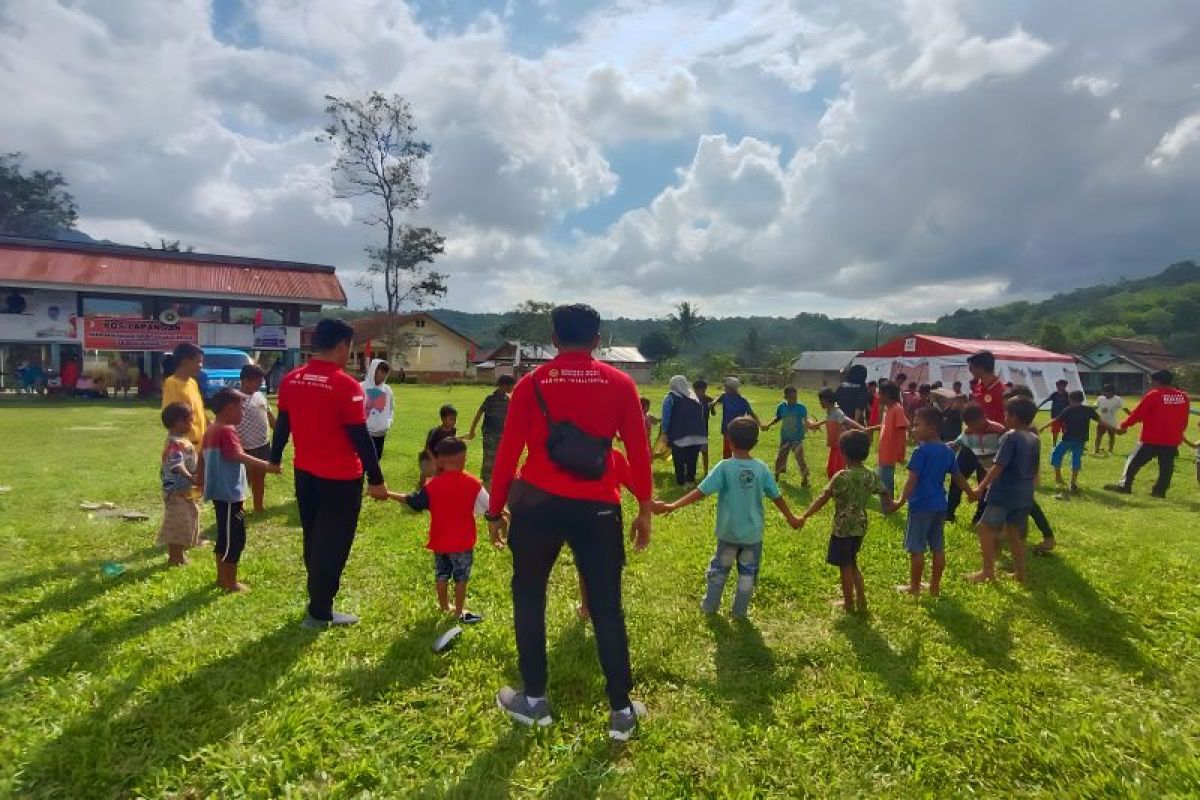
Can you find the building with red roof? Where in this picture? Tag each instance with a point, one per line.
(65, 299)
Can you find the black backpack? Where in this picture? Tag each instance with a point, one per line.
(574, 450)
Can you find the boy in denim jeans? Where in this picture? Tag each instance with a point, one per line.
(740, 483)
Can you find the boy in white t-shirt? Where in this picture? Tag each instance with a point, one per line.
(1108, 405)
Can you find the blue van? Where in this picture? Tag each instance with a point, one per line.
(222, 367)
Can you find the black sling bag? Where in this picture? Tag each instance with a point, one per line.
(574, 450)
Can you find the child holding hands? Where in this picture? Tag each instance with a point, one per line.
(852, 490)
(453, 498)
(740, 483)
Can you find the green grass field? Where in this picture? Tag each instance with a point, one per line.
(153, 684)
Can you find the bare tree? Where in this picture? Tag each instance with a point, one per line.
(380, 158)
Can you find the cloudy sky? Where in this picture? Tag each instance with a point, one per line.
(893, 158)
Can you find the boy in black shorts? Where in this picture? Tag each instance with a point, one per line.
(225, 483)
(852, 489)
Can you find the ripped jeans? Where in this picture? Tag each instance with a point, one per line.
(747, 558)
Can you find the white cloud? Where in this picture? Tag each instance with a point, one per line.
(1094, 85)
(615, 109)
(950, 60)
(1182, 135)
(884, 159)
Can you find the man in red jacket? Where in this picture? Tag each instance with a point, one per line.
(1163, 414)
(552, 505)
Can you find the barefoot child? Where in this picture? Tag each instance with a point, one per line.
(181, 510)
(493, 411)
(254, 430)
(225, 483)
(836, 423)
(1010, 484)
(740, 482)
(893, 435)
(453, 498)
(1074, 424)
(793, 419)
(925, 493)
(852, 490)
(1109, 404)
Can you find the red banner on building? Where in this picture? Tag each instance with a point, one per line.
(123, 333)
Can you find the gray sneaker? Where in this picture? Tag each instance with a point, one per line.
(339, 619)
(622, 724)
(517, 706)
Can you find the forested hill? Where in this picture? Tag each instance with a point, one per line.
(727, 335)
(1165, 307)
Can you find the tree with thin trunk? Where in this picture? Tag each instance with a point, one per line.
(380, 158)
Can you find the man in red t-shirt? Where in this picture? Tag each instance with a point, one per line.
(1163, 415)
(988, 390)
(322, 409)
(552, 505)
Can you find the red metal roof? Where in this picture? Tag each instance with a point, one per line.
(109, 268)
(926, 345)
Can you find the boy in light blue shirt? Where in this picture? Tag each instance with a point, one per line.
(740, 484)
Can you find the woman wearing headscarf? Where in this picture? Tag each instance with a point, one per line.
(683, 424)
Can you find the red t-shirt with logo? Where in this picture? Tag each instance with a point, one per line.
(453, 500)
(991, 399)
(601, 400)
(321, 400)
(1163, 413)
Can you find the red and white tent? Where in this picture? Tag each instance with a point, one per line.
(926, 359)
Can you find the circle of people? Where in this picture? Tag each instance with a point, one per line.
(563, 418)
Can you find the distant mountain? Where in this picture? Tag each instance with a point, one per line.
(801, 332)
(1164, 307)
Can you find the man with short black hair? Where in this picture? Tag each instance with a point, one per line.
(322, 408)
(1163, 415)
(554, 502)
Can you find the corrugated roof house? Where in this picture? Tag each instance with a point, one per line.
(818, 368)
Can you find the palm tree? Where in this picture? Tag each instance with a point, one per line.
(686, 322)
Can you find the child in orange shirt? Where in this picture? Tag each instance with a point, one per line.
(893, 435)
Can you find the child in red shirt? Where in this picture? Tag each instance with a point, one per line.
(453, 498)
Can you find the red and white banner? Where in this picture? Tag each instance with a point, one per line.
(124, 333)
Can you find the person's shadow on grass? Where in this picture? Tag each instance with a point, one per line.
(87, 648)
(107, 751)
(895, 670)
(90, 584)
(991, 644)
(746, 670)
(1083, 616)
(24, 580)
(408, 662)
(490, 772)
